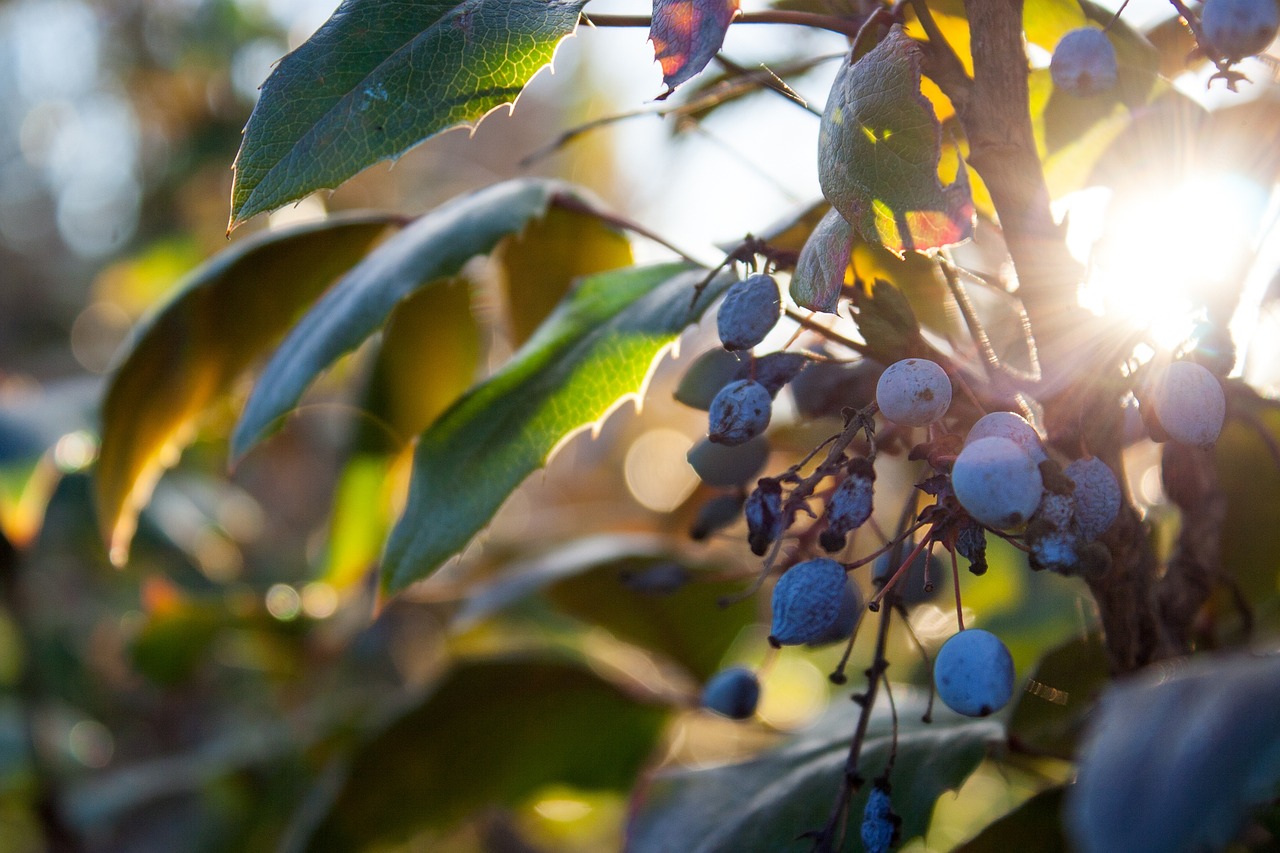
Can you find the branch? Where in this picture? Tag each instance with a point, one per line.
(844, 26)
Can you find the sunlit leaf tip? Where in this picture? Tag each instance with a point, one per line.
(687, 34)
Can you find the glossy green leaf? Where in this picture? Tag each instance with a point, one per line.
(1034, 825)
(1179, 757)
(878, 154)
(380, 77)
(595, 350)
(823, 267)
(490, 733)
(687, 34)
(428, 253)
(1050, 714)
(221, 318)
(766, 803)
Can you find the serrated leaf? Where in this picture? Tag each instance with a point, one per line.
(490, 733)
(767, 802)
(687, 34)
(823, 267)
(596, 349)
(377, 78)
(1179, 757)
(885, 321)
(428, 253)
(878, 154)
(221, 318)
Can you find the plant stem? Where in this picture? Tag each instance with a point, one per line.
(844, 26)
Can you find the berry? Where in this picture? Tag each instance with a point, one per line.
(973, 673)
(825, 388)
(732, 693)
(914, 392)
(763, 510)
(749, 312)
(716, 514)
(1013, 427)
(807, 601)
(917, 585)
(1097, 496)
(774, 370)
(850, 504)
(660, 578)
(997, 482)
(708, 373)
(1240, 28)
(726, 466)
(971, 543)
(739, 412)
(879, 823)
(1189, 403)
(851, 609)
(1084, 63)
(1052, 534)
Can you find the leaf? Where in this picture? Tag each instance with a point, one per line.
(1034, 825)
(886, 321)
(878, 154)
(687, 34)
(823, 266)
(1178, 757)
(767, 802)
(428, 253)
(491, 732)
(377, 78)
(1048, 717)
(221, 318)
(595, 350)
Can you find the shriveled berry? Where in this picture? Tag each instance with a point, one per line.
(739, 412)
(1013, 427)
(763, 510)
(1052, 534)
(850, 504)
(973, 673)
(1189, 403)
(851, 609)
(732, 693)
(807, 601)
(879, 823)
(1240, 28)
(913, 392)
(997, 482)
(1084, 63)
(724, 466)
(971, 543)
(716, 514)
(749, 312)
(1097, 496)
(774, 370)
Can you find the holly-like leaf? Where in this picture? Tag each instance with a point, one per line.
(221, 318)
(428, 253)
(596, 349)
(886, 321)
(490, 733)
(687, 34)
(379, 77)
(878, 154)
(824, 264)
(1178, 758)
(767, 802)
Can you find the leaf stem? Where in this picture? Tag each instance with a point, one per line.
(844, 26)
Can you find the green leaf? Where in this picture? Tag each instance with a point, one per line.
(687, 34)
(489, 733)
(767, 802)
(1049, 716)
(221, 318)
(878, 154)
(380, 77)
(1034, 825)
(595, 350)
(428, 253)
(886, 321)
(823, 265)
(1179, 757)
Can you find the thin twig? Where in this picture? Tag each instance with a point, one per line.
(844, 26)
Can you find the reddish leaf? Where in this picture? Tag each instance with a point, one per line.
(686, 34)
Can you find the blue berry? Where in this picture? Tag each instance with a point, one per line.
(775, 369)
(1097, 496)
(807, 601)
(726, 466)
(749, 312)
(850, 504)
(1240, 28)
(1052, 534)
(879, 823)
(1013, 427)
(997, 482)
(1189, 403)
(704, 378)
(739, 412)
(913, 392)
(1084, 63)
(763, 510)
(921, 581)
(827, 388)
(973, 673)
(851, 609)
(732, 693)
(716, 514)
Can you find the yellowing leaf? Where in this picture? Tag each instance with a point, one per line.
(687, 34)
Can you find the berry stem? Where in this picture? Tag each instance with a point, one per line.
(874, 603)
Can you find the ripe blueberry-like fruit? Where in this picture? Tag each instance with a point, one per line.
(704, 378)
(997, 482)
(973, 673)
(879, 823)
(739, 412)
(921, 582)
(764, 516)
(1013, 427)
(732, 693)
(807, 601)
(850, 504)
(716, 514)
(749, 312)
(1097, 496)
(1084, 62)
(826, 388)
(1240, 28)
(1189, 403)
(914, 392)
(724, 466)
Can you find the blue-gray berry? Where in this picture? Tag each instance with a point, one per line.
(749, 312)
(1240, 28)
(1097, 496)
(739, 412)
(732, 693)
(973, 673)
(763, 511)
(879, 823)
(850, 504)
(807, 601)
(1084, 63)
